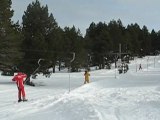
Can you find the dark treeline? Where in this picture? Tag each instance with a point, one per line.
(103, 39)
(40, 37)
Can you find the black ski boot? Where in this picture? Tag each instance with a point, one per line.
(19, 100)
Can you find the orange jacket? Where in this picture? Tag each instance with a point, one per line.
(86, 74)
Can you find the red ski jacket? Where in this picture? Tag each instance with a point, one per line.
(19, 78)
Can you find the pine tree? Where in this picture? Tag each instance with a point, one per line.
(39, 30)
(10, 37)
(146, 41)
(73, 42)
(99, 42)
(154, 41)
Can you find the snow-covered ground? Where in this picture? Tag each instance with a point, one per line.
(110, 96)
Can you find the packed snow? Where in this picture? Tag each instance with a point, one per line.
(134, 95)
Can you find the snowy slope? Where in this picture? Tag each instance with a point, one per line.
(131, 96)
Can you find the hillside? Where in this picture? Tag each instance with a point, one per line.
(131, 96)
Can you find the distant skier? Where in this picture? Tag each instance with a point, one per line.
(140, 67)
(19, 79)
(86, 74)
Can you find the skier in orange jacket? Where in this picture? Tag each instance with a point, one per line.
(19, 78)
(86, 74)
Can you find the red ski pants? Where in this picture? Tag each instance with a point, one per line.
(21, 91)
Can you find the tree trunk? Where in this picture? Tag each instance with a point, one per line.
(53, 68)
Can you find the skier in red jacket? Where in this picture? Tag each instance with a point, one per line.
(19, 78)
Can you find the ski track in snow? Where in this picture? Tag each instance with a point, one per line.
(135, 95)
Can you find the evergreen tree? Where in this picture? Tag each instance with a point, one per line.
(146, 41)
(135, 44)
(53, 41)
(73, 42)
(39, 36)
(99, 42)
(10, 37)
(154, 41)
(116, 30)
(158, 41)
